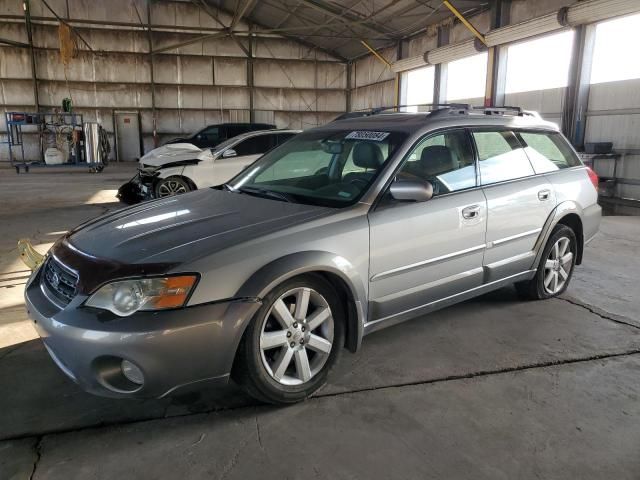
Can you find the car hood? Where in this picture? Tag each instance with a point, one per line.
(187, 227)
(175, 152)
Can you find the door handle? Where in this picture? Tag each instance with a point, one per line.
(472, 211)
(544, 195)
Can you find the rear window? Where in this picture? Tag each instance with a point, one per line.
(548, 151)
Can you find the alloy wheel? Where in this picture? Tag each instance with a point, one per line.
(558, 265)
(297, 336)
(171, 187)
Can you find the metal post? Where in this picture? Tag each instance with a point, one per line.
(348, 93)
(397, 83)
(250, 83)
(154, 119)
(576, 103)
(497, 56)
(440, 74)
(27, 21)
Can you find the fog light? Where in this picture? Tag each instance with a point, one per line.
(132, 372)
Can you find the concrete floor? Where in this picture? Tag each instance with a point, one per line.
(491, 388)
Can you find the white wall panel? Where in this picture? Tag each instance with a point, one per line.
(272, 73)
(615, 95)
(230, 71)
(15, 63)
(546, 102)
(378, 95)
(622, 130)
(369, 70)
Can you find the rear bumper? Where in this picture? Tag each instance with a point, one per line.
(176, 350)
(591, 217)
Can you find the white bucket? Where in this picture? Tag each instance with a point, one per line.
(53, 156)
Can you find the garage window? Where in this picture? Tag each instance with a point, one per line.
(418, 87)
(539, 64)
(467, 77)
(614, 55)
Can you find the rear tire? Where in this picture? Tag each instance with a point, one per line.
(292, 342)
(555, 268)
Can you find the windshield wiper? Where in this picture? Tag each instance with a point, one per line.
(261, 192)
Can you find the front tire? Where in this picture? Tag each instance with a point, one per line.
(292, 342)
(555, 268)
(170, 186)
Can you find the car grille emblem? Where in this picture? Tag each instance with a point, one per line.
(55, 280)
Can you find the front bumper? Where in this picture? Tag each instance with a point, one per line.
(176, 350)
(139, 189)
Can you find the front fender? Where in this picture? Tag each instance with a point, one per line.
(166, 172)
(277, 271)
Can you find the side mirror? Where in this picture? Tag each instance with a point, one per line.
(414, 190)
(229, 152)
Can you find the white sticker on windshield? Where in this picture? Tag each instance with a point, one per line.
(364, 135)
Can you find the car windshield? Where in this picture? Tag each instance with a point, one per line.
(327, 168)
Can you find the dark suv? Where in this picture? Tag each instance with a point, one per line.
(212, 135)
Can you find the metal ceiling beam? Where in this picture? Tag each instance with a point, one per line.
(62, 20)
(307, 23)
(240, 13)
(329, 52)
(214, 15)
(411, 7)
(191, 41)
(376, 54)
(305, 20)
(465, 22)
(13, 43)
(347, 20)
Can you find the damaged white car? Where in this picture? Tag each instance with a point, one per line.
(178, 168)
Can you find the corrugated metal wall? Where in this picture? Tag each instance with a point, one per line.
(198, 84)
(614, 116)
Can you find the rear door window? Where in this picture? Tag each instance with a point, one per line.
(255, 145)
(548, 151)
(501, 156)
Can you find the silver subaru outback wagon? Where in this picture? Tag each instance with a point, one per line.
(342, 230)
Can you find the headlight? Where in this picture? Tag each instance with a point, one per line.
(128, 296)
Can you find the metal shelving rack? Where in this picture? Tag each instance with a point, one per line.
(62, 123)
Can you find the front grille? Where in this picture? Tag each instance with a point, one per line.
(62, 283)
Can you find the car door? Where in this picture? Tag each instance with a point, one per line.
(246, 151)
(422, 253)
(518, 202)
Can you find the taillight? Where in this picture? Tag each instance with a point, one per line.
(593, 176)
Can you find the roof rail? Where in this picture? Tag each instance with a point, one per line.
(432, 106)
(489, 110)
(437, 109)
